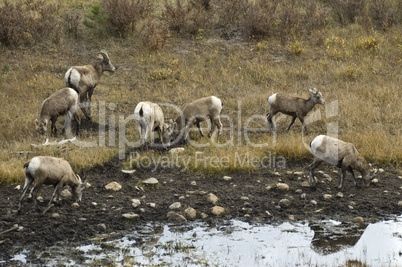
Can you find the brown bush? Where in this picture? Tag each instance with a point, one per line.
(260, 20)
(124, 14)
(346, 11)
(175, 14)
(154, 35)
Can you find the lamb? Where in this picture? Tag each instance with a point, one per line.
(50, 171)
(197, 112)
(341, 154)
(61, 102)
(292, 106)
(85, 78)
(149, 117)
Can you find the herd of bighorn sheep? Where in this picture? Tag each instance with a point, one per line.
(81, 82)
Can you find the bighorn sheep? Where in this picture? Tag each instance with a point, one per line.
(50, 171)
(63, 101)
(341, 154)
(197, 112)
(292, 106)
(149, 117)
(85, 78)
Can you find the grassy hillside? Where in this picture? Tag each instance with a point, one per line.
(356, 65)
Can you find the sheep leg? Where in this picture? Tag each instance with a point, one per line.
(55, 193)
(36, 190)
(291, 123)
(353, 175)
(28, 181)
(304, 125)
(90, 92)
(67, 122)
(199, 128)
(270, 124)
(53, 129)
(311, 168)
(343, 175)
(78, 121)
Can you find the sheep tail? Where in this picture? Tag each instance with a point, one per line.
(141, 112)
(26, 164)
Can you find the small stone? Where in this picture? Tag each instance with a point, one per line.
(175, 206)
(277, 173)
(193, 183)
(101, 226)
(227, 178)
(313, 202)
(400, 203)
(380, 170)
(298, 173)
(142, 210)
(94, 204)
(204, 215)
(131, 216)
(190, 213)
(135, 202)
(282, 186)
(82, 219)
(218, 211)
(128, 171)
(115, 186)
(66, 194)
(299, 191)
(284, 203)
(358, 220)
(18, 187)
(268, 213)
(374, 181)
(176, 150)
(244, 198)
(305, 184)
(55, 215)
(153, 205)
(327, 196)
(176, 217)
(339, 195)
(151, 181)
(291, 217)
(350, 207)
(40, 199)
(303, 196)
(75, 205)
(211, 198)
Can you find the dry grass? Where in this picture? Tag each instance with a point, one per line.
(364, 85)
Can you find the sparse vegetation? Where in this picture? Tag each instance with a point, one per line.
(353, 56)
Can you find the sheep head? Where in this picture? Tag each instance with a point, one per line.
(41, 126)
(104, 60)
(316, 96)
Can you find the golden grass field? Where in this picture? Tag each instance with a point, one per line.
(361, 86)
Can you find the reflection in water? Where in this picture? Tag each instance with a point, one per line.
(330, 236)
(237, 243)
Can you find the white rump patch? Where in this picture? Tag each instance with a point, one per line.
(34, 165)
(74, 76)
(216, 102)
(271, 99)
(316, 143)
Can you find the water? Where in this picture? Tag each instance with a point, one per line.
(237, 243)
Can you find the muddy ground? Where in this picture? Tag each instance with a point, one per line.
(79, 224)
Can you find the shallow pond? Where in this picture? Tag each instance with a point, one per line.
(238, 243)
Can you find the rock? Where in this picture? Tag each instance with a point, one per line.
(291, 217)
(204, 215)
(131, 216)
(128, 171)
(313, 202)
(282, 186)
(135, 202)
(55, 215)
(75, 205)
(94, 204)
(66, 194)
(18, 187)
(190, 213)
(303, 196)
(299, 191)
(152, 205)
(244, 198)
(350, 207)
(211, 198)
(358, 220)
(374, 181)
(400, 203)
(305, 184)
(40, 199)
(227, 178)
(339, 195)
(298, 173)
(175, 206)
(176, 217)
(115, 186)
(193, 183)
(327, 196)
(284, 203)
(101, 227)
(268, 213)
(380, 170)
(277, 173)
(218, 211)
(176, 150)
(151, 181)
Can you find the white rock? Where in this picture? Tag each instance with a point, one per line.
(291, 217)
(211, 198)
(193, 183)
(174, 216)
(327, 196)
(135, 202)
(350, 207)
(277, 173)
(55, 215)
(303, 196)
(176, 150)
(115, 186)
(282, 186)
(381, 170)
(18, 187)
(298, 173)
(40, 199)
(66, 194)
(374, 181)
(339, 195)
(305, 184)
(358, 220)
(175, 206)
(244, 198)
(128, 171)
(218, 210)
(94, 204)
(152, 205)
(227, 178)
(284, 203)
(190, 213)
(400, 203)
(151, 181)
(131, 216)
(313, 202)
(268, 213)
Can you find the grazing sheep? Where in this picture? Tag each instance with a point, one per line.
(197, 112)
(341, 154)
(292, 106)
(61, 102)
(149, 117)
(85, 78)
(50, 171)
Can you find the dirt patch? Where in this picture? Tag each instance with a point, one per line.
(245, 196)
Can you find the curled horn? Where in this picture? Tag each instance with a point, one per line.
(79, 178)
(104, 54)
